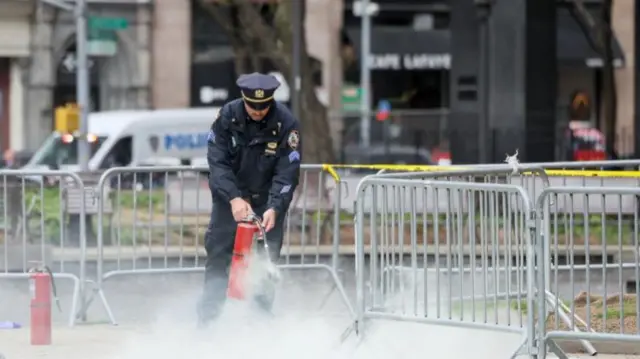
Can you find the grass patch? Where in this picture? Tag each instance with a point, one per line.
(458, 307)
(628, 310)
(605, 315)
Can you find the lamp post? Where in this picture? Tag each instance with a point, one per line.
(82, 74)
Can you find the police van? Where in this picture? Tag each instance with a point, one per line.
(131, 138)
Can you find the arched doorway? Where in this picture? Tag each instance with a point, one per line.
(65, 89)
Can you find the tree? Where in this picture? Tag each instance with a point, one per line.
(259, 30)
(600, 34)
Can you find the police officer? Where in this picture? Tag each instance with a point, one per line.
(254, 159)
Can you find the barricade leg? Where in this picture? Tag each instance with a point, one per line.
(96, 290)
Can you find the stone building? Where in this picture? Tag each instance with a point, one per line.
(153, 61)
(42, 71)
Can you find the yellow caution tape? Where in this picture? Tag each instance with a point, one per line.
(331, 169)
(601, 174)
(403, 168)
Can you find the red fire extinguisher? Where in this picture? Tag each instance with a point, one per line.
(42, 289)
(240, 260)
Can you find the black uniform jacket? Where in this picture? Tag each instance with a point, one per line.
(256, 160)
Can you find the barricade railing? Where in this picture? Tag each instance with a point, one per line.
(466, 262)
(152, 220)
(561, 174)
(597, 284)
(573, 261)
(43, 218)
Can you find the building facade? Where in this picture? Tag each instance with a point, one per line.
(624, 26)
(42, 75)
(152, 65)
(171, 53)
(411, 44)
(163, 59)
(199, 56)
(15, 51)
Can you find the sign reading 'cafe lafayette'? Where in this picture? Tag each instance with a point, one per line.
(409, 61)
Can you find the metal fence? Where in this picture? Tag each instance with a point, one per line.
(43, 212)
(152, 221)
(459, 287)
(598, 301)
(463, 255)
(551, 254)
(584, 236)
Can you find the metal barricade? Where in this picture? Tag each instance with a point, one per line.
(160, 215)
(450, 253)
(560, 174)
(533, 179)
(36, 227)
(589, 238)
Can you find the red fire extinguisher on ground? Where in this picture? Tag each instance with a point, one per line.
(42, 289)
(240, 260)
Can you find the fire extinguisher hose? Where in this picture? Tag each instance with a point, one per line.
(272, 272)
(54, 290)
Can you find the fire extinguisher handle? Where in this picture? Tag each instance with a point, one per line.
(257, 221)
(253, 218)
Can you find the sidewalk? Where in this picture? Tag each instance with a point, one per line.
(98, 342)
(391, 339)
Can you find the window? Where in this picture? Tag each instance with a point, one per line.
(59, 150)
(402, 13)
(120, 155)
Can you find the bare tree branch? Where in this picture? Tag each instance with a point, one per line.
(223, 14)
(254, 35)
(264, 37)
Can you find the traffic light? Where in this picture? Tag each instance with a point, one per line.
(67, 118)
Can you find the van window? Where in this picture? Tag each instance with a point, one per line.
(60, 150)
(120, 154)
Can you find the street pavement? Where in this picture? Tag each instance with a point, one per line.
(156, 316)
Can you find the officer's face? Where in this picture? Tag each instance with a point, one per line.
(256, 115)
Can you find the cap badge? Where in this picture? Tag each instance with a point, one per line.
(259, 94)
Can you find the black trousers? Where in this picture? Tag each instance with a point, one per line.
(219, 241)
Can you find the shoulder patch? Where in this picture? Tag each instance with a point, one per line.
(294, 156)
(294, 139)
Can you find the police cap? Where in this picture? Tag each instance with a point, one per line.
(258, 89)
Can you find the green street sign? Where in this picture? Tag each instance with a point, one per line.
(351, 97)
(108, 23)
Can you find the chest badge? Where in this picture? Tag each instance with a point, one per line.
(271, 148)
